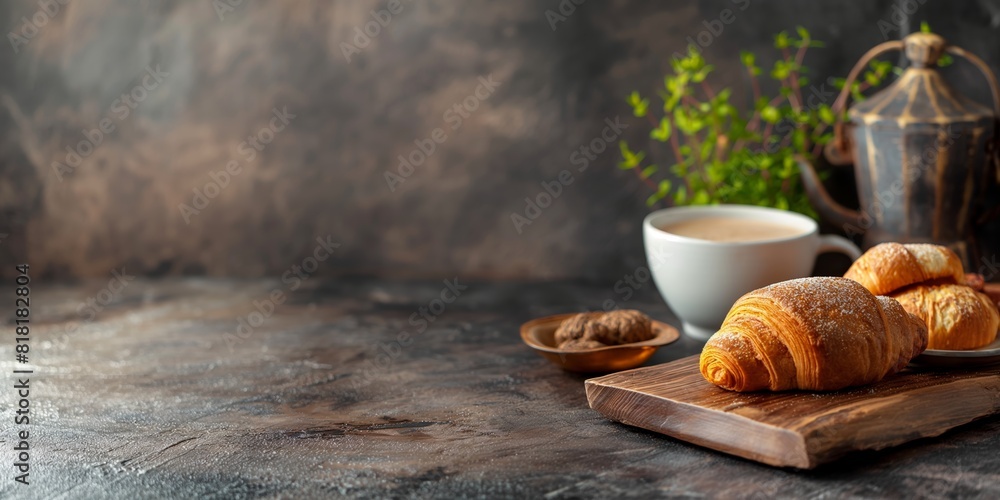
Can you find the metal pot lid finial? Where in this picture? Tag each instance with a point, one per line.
(924, 49)
(920, 95)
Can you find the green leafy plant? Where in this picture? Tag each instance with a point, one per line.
(721, 155)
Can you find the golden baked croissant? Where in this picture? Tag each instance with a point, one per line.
(957, 316)
(891, 266)
(811, 333)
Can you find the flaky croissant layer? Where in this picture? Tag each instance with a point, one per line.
(812, 333)
(891, 266)
(957, 317)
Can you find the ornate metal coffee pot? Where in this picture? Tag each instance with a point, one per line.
(924, 155)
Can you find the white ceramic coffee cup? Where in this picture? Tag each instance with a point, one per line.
(700, 279)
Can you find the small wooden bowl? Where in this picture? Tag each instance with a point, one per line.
(539, 334)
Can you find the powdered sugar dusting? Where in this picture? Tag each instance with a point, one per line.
(844, 324)
(826, 301)
(933, 259)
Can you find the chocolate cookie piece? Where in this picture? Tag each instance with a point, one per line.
(624, 327)
(581, 326)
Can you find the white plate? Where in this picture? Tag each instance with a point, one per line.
(986, 355)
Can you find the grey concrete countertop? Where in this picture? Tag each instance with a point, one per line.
(365, 388)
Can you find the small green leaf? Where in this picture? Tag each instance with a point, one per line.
(675, 64)
(630, 159)
(781, 40)
(781, 202)
(680, 196)
(788, 168)
(881, 68)
(826, 114)
(662, 133)
(639, 105)
(706, 150)
(701, 197)
(649, 171)
(694, 180)
(799, 139)
(680, 169)
(803, 33)
(747, 58)
(770, 114)
(700, 75)
(687, 122)
(672, 85)
(664, 187)
(670, 104)
(653, 199)
(780, 71)
(716, 173)
(924, 27)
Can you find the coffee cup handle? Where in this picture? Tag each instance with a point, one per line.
(834, 243)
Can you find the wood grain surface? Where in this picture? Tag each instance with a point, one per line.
(796, 428)
(147, 400)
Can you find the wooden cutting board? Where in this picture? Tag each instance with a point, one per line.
(797, 429)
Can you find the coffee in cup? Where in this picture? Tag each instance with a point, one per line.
(703, 258)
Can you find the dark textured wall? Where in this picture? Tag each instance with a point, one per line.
(324, 173)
